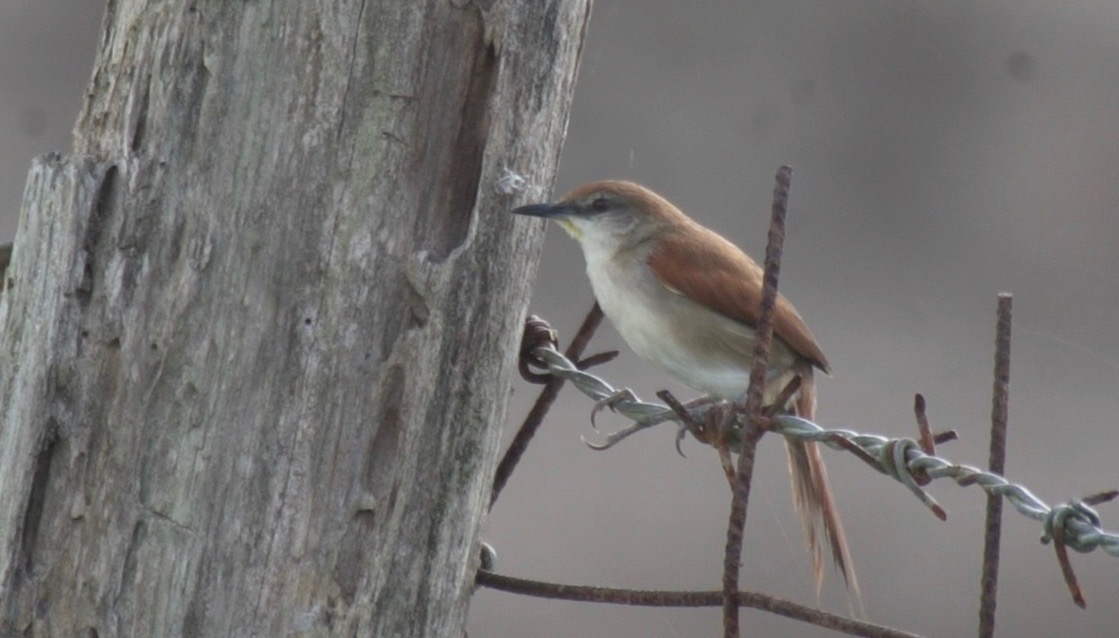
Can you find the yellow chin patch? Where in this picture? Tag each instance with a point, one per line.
(569, 227)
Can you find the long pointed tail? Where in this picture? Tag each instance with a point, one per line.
(813, 497)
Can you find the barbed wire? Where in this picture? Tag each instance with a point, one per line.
(1074, 523)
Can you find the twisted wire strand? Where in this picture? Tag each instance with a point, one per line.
(1073, 522)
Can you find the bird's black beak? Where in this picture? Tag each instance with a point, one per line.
(543, 210)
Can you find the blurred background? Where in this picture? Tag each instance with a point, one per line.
(943, 153)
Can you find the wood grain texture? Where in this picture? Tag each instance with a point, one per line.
(259, 326)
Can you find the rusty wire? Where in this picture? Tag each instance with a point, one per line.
(751, 408)
(658, 598)
(996, 463)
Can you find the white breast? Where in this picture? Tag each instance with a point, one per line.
(696, 346)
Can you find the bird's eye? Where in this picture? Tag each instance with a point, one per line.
(600, 204)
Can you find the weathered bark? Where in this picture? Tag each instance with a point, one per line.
(259, 327)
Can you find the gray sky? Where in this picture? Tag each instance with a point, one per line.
(943, 152)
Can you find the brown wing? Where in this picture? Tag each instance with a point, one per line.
(699, 264)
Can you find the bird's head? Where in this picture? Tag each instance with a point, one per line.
(608, 215)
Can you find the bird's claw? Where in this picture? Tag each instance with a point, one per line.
(681, 432)
(625, 394)
(613, 438)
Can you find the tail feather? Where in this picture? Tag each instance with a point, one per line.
(813, 497)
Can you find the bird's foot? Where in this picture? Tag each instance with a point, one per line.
(681, 432)
(625, 394)
(613, 438)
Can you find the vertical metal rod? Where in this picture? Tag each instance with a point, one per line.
(752, 430)
(997, 464)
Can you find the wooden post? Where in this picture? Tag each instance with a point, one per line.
(259, 325)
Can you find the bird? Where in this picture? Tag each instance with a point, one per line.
(686, 299)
